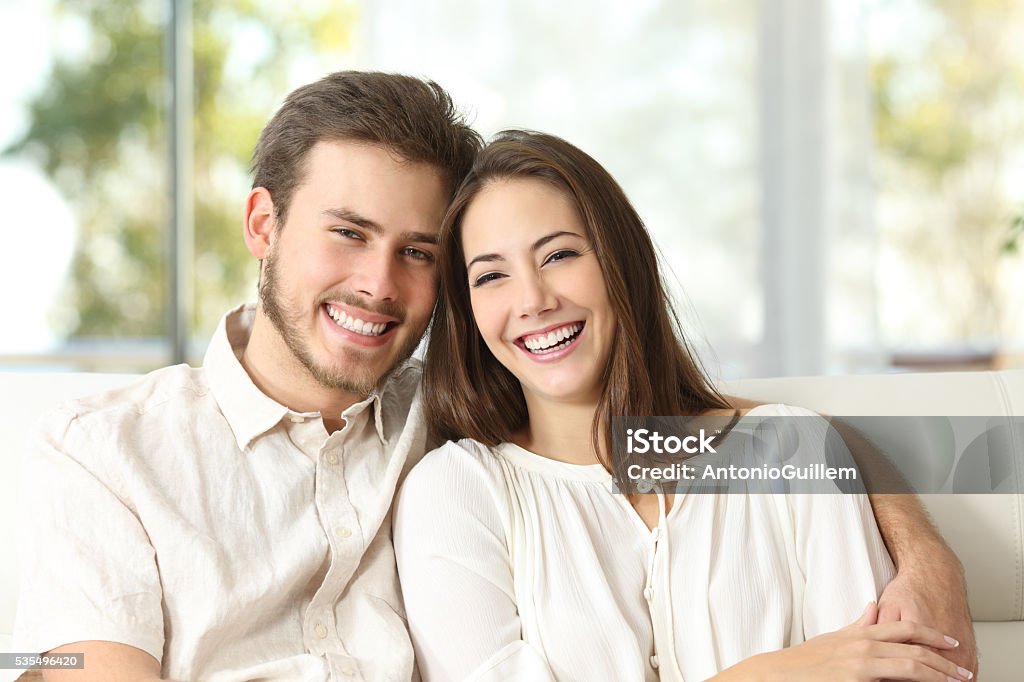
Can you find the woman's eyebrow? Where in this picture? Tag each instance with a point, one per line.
(491, 257)
(485, 258)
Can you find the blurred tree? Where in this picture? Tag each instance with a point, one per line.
(1015, 235)
(948, 104)
(99, 130)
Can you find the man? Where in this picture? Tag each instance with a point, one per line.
(233, 522)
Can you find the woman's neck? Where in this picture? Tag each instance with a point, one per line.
(559, 431)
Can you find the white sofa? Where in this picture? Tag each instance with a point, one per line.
(987, 531)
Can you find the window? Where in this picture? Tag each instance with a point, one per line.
(88, 137)
(834, 186)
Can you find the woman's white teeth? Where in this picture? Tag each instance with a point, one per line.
(547, 344)
(356, 325)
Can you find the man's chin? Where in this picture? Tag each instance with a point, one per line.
(361, 370)
(359, 373)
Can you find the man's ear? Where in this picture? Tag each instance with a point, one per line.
(259, 222)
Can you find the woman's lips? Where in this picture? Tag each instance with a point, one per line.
(551, 348)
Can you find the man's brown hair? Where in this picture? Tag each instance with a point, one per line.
(651, 369)
(416, 119)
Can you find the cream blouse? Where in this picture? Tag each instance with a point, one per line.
(515, 566)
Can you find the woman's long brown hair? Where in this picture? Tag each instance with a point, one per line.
(651, 370)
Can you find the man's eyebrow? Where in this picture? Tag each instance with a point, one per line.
(350, 216)
(419, 237)
(492, 257)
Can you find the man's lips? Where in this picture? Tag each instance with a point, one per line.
(360, 322)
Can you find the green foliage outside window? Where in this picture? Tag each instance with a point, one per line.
(99, 130)
(948, 125)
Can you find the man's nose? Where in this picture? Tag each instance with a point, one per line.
(376, 276)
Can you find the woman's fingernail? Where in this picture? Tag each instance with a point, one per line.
(952, 642)
(964, 673)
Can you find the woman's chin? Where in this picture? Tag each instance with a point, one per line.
(560, 394)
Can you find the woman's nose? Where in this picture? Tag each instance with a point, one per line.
(536, 297)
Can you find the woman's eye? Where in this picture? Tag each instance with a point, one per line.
(486, 277)
(561, 254)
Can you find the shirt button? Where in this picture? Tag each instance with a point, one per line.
(332, 458)
(297, 418)
(348, 672)
(343, 531)
(648, 593)
(321, 630)
(654, 662)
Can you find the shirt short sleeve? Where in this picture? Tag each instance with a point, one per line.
(88, 570)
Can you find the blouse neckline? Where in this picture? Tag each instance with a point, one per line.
(595, 473)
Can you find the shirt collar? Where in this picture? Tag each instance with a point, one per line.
(373, 403)
(248, 410)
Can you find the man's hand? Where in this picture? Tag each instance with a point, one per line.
(939, 600)
(929, 586)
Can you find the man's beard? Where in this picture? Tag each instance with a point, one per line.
(359, 377)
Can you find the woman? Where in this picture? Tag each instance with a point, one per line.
(517, 560)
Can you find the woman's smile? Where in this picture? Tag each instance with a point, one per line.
(553, 343)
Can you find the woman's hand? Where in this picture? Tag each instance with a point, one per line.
(864, 651)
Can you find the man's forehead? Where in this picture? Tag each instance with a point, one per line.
(368, 189)
(361, 168)
(353, 151)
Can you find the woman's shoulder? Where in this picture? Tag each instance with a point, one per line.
(456, 488)
(779, 410)
(463, 452)
(744, 406)
(454, 461)
(785, 418)
(747, 408)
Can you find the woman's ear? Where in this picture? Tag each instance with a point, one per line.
(259, 222)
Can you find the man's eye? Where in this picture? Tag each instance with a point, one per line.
(561, 254)
(486, 277)
(418, 254)
(347, 233)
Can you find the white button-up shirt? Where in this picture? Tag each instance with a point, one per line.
(191, 516)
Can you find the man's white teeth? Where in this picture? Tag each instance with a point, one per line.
(547, 344)
(356, 325)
